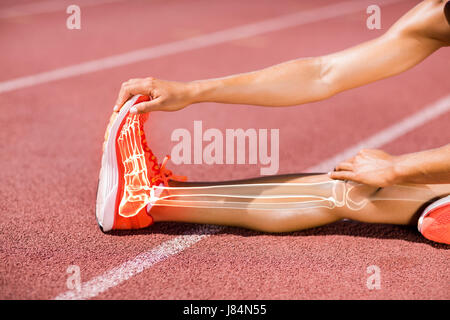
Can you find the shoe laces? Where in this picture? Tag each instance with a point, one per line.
(165, 174)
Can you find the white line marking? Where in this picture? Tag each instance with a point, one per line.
(47, 7)
(389, 134)
(244, 31)
(172, 247)
(141, 262)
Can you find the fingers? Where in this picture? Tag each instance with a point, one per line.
(343, 175)
(124, 95)
(128, 91)
(133, 87)
(344, 170)
(144, 107)
(344, 166)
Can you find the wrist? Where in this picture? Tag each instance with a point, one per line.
(200, 90)
(401, 170)
(191, 92)
(206, 90)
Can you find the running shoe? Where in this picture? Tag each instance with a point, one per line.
(129, 173)
(434, 223)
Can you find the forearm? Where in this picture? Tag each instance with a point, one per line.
(431, 166)
(290, 83)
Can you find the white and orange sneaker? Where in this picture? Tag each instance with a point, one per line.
(129, 173)
(434, 223)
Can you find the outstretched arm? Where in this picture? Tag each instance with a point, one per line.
(411, 39)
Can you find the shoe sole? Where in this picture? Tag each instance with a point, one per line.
(437, 229)
(96, 218)
(431, 208)
(108, 185)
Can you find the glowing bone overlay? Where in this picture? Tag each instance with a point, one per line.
(136, 158)
(280, 196)
(142, 186)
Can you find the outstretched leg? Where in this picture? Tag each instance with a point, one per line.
(293, 202)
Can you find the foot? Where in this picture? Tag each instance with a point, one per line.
(129, 173)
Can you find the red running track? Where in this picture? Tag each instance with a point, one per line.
(52, 133)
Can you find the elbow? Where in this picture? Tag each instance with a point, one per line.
(328, 83)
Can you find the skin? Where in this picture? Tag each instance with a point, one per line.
(405, 200)
(380, 169)
(415, 36)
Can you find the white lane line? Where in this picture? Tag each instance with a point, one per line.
(389, 134)
(172, 247)
(244, 31)
(48, 7)
(141, 262)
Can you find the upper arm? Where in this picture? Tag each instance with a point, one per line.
(415, 36)
(428, 22)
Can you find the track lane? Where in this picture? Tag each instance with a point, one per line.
(324, 263)
(105, 31)
(53, 138)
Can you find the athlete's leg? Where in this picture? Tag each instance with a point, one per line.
(398, 204)
(259, 211)
(300, 202)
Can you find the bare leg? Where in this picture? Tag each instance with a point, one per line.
(394, 205)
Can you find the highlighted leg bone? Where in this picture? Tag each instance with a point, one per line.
(330, 194)
(280, 196)
(283, 196)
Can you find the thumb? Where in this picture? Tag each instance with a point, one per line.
(147, 106)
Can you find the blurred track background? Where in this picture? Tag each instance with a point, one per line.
(58, 88)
